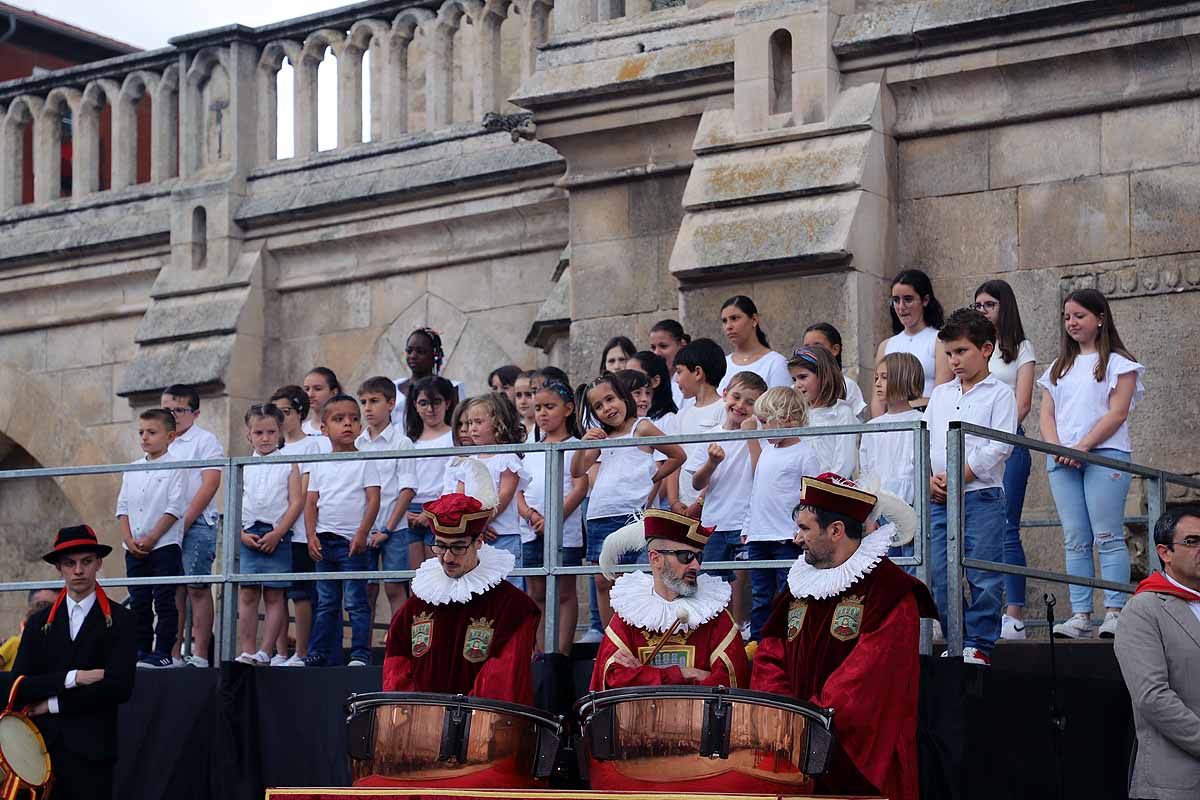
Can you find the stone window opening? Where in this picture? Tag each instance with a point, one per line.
(781, 72)
(199, 237)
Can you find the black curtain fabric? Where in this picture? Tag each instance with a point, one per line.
(983, 733)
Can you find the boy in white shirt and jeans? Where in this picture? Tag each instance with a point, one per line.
(341, 508)
(149, 511)
(977, 397)
(193, 443)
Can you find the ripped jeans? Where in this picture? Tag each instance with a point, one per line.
(1091, 505)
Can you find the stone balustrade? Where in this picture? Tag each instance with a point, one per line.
(213, 95)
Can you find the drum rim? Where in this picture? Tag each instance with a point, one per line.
(359, 702)
(595, 700)
(31, 726)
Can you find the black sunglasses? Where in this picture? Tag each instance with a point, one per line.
(684, 556)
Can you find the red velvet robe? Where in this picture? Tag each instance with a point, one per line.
(715, 646)
(482, 648)
(857, 654)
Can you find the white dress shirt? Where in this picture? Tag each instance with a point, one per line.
(197, 444)
(146, 495)
(989, 404)
(395, 475)
(76, 613)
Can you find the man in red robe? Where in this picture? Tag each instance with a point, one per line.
(465, 630)
(669, 626)
(844, 635)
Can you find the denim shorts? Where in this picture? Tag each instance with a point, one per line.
(391, 555)
(419, 534)
(597, 530)
(723, 546)
(533, 553)
(302, 591)
(572, 556)
(256, 562)
(199, 550)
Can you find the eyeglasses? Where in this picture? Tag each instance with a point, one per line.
(683, 556)
(987, 305)
(423, 403)
(1191, 543)
(439, 548)
(179, 412)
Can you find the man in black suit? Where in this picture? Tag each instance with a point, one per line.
(77, 659)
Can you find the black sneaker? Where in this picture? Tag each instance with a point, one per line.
(155, 662)
(313, 660)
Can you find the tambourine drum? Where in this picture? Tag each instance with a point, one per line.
(24, 760)
(417, 739)
(702, 739)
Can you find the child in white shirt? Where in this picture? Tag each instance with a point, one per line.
(816, 375)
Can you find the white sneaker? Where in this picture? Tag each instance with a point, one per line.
(745, 631)
(177, 661)
(279, 661)
(196, 661)
(937, 631)
(1108, 628)
(356, 663)
(1012, 628)
(593, 636)
(247, 658)
(294, 661)
(1079, 626)
(974, 656)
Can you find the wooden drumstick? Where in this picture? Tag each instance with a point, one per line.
(681, 617)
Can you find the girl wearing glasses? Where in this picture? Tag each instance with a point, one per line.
(916, 317)
(1087, 395)
(1012, 363)
(427, 424)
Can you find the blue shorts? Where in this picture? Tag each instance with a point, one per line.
(572, 557)
(597, 530)
(256, 562)
(419, 534)
(533, 553)
(302, 591)
(723, 546)
(391, 555)
(199, 550)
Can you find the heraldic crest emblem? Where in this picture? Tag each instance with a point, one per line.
(478, 640)
(847, 618)
(422, 634)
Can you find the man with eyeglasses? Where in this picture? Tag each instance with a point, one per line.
(465, 629)
(1158, 648)
(670, 626)
(844, 635)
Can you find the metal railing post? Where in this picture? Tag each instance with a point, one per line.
(921, 544)
(955, 503)
(552, 533)
(1156, 506)
(231, 526)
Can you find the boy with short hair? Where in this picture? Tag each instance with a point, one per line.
(341, 507)
(193, 443)
(387, 546)
(699, 369)
(150, 510)
(977, 397)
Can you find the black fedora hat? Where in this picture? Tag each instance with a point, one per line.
(76, 539)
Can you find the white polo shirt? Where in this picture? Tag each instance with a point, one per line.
(342, 496)
(195, 445)
(989, 404)
(146, 496)
(395, 474)
(265, 492)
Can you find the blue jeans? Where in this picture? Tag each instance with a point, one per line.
(723, 546)
(326, 638)
(155, 615)
(766, 583)
(983, 538)
(1091, 505)
(1016, 477)
(511, 543)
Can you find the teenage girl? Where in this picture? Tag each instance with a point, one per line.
(615, 354)
(523, 400)
(662, 399)
(424, 356)
(751, 351)
(627, 475)
(1087, 395)
(554, 411)
(815, 375)
(320, 384)
(644, 396)
(1012, 363)
(916, 317)
(666, 339)
(823, 334)
(427, 424)
(502, 379)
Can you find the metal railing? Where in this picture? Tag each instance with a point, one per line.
(956, 559)
(228, 577)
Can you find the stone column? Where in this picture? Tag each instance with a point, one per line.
(534, 17)
(164, 130)
(571, 15)
(85, 167)
(487, 65)
(19, 117)
(349, 96)
(439, 70)
(124, 128)
(304, 104)
(47, 143)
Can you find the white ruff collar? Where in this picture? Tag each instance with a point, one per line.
(634, 600)
(805, 580)
(434, 586)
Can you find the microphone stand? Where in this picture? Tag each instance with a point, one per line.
(1058, 719)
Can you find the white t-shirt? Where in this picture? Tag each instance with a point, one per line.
(146, 496)
(624, 480)
(402, 400)
(508, 521)
(854, 397)
(727, 501)
(1080, 400)
(924, 346)
(308, 446)
(890, 456)
(431, 472)
(988, 404)
(676, 393)
(1006, 373)
(395, 474)
(772, 368)
(776, 490)
(342, 498)
(194, 445)
(834, 453)
(696, 419)
(535, 496)
(265, 492)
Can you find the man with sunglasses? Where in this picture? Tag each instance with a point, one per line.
(465, 629)
(669, 626)
(844, 635)
(1158, 648)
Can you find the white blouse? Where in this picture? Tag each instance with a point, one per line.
(1080, 400)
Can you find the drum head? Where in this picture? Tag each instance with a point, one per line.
(23, 750)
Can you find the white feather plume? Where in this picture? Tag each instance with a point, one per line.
(890, 505)
(478, 481)
(628, 539)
